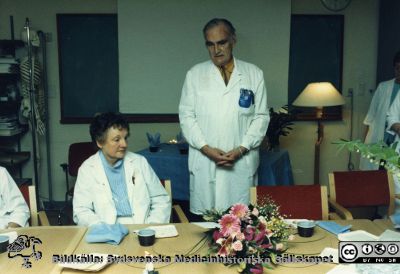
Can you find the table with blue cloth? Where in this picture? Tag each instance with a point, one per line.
(169, 163)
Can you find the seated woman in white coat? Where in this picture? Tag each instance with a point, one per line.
(115, 185)
(14, 211)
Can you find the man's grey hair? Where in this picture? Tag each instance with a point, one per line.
(218, 21)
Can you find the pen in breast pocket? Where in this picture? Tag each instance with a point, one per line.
(133, 180)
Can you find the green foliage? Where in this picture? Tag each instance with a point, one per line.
(375, 153)
(279, 125)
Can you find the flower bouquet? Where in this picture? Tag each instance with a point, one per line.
(253, 235)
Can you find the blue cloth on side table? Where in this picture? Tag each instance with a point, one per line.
(333, 227)
(106, 233)
(168, 163)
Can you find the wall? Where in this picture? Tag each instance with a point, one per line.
(154, 59)
(359, 68)
(358, 73)
(42, 15)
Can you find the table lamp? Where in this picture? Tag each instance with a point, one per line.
(319, 95)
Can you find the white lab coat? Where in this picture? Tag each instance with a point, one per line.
(13, 207)
(393, 116)
(93, 202)
(210, 114)
(376, 119)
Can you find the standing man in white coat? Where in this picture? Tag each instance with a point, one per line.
(375, 120)
(224, 117)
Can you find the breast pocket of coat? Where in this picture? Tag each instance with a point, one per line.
(246, 102)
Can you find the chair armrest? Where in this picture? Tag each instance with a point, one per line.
(340, 210)
(43, 220)
(181, 215)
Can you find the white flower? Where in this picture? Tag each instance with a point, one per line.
(240, 236)
(262, 220)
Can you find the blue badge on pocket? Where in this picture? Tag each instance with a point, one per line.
(246, 98)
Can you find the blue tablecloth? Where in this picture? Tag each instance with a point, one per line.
(168, 163)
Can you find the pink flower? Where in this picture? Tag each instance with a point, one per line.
(262, 226)
(239, 210)
(249, 233)
(257, 269)
(255, 212)
(223, 251)
(226, 247)
(265, 246)
(217, 235)
(237, 246)
(259, 238)
(230, 225)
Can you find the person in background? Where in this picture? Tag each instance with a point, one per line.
(393, 121)
(376, 117)
(224, 117)
(14, 211)
(115, 185)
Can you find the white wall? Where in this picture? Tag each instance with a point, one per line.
(160, 40)
(358, 72)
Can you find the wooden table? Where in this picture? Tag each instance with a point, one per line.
(55, 240)
(190, 234)
(384, 224)
(70, 240)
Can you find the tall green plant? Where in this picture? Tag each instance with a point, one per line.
(375, 153)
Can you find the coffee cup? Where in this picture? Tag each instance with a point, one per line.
(146, 237)
(4, 241)
(305, 228)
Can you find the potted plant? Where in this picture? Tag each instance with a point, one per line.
(279, 125)
(375, 153)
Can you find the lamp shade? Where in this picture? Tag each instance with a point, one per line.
(322, 94)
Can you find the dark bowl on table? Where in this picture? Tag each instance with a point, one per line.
(305, 228)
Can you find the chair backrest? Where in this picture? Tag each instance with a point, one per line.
(295, 202)
(175, 208)
(77, 154)
(362, 188)
(29, 193)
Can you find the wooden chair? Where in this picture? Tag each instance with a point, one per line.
(295, 202)
(175, 208)
(37, 218)
(357, 189)
(77, 154)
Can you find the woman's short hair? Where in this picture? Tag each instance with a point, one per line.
(102, 122)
